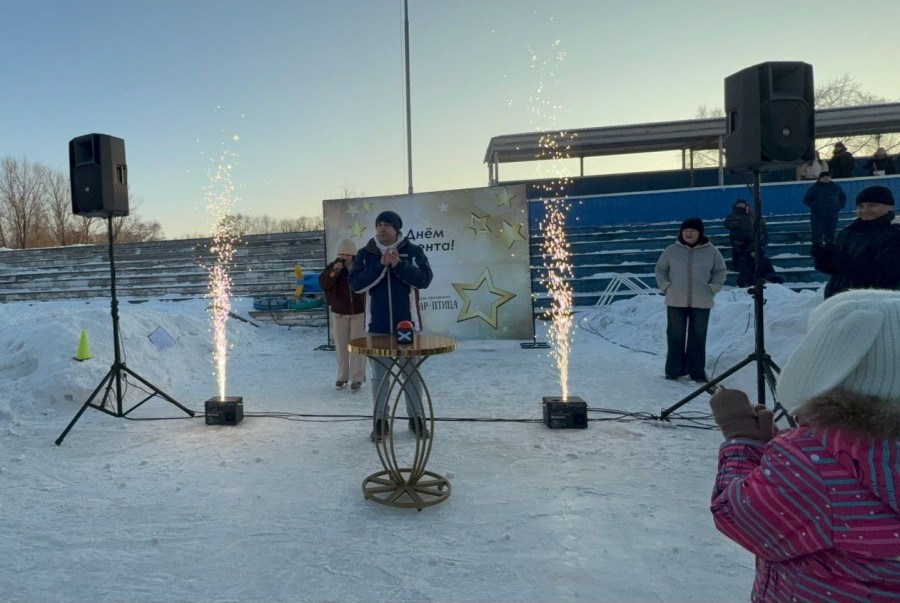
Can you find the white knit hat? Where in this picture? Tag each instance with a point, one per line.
(853, 342)
(346, 247)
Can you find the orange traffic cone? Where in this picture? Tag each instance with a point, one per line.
(84, 351)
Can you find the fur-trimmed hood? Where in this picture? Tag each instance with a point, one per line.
(865, 416)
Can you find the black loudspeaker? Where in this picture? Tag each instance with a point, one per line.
(98, 175)
(771, 119)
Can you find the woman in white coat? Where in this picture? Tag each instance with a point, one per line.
(689, 273)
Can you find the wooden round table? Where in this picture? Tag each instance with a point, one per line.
(409, 487)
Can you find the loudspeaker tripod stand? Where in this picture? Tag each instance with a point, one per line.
(328, 346)
(118, 369)
(765, 366)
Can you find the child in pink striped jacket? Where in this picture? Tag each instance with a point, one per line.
(818, 504)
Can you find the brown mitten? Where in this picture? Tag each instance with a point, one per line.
(737, 418)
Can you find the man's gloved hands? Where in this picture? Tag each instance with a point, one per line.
(737, 418)
(823, 252)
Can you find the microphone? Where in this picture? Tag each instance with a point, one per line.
(405, 332)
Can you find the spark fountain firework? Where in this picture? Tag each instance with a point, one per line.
(220, 199)
(556, 254)
(554, 145)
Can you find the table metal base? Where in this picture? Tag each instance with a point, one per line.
(430, 489)
(410, 487)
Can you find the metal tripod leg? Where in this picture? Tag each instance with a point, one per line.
(708, 388)
(156, 392)
(114, 376)
(780, 411)
(108, 381)
(764, 368)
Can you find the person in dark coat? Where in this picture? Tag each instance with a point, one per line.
(347, 315)
(391, 270)
(842, 162)
(825, 200)
(865, 254)
(879, 164)
(739, 224)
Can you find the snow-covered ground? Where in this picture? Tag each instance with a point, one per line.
(272, 509)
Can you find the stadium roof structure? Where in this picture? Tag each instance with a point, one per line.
(685, 136)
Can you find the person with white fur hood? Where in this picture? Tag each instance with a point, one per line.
(819, 504)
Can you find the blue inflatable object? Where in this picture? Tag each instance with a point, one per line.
(304, 303)
(311, 283)
(270, 303)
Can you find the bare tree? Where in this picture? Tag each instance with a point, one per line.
(350, 192)
(301, 224)
(131, 228)
(62, 225)
(86, 230)
(254, 225)
(843, 91)
(21, 185)
(36, 210)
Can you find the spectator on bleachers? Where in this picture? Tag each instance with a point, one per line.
(811, 169)
(689, 273)
(879, 164)
(865, 254)
(740, 226)
(825, 200)
(842, 163)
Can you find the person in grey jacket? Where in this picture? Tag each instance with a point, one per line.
(689, 273)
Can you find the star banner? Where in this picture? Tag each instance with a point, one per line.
(476, 241)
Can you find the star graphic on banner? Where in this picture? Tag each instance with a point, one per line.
(510, 234)
(465, 290)
(478, 224)
(443, 207)
(504, 197)
(367, 206)
(352, 209)
(357, 229)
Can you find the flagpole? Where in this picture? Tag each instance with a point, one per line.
(408, 112)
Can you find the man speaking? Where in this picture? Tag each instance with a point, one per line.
(391, 270)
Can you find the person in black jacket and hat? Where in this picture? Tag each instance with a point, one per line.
(392, 269)
(825, 200)
(865, 254)
(842, 163)
(740, 226)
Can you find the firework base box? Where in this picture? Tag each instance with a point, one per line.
(569, 413)
(228, 410)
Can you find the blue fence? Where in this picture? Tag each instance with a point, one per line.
(708, 203)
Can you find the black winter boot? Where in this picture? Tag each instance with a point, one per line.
(417, 425)
(381, 430)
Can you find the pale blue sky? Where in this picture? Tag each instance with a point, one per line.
(314, 88)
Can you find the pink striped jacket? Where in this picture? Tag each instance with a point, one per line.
(818, 507)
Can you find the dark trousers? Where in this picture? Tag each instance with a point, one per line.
(686, 337)
(743, 263)
(822, 227)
